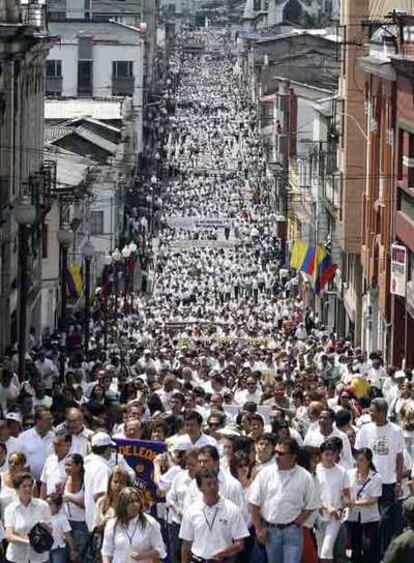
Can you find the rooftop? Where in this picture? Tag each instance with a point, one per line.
(101, 109)
(70, 30)
(109, 7)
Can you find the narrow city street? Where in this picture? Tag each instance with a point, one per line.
(205, 295)
(219, 257)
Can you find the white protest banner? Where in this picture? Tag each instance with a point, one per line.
(197, 243)
(199, 223)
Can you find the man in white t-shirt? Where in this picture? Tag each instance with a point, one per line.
(53, 475)
(281, 500)
(386, 440)
(213, 527)
(97, 472)
(325, 429)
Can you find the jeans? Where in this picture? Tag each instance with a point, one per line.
(80, 534)
(59, 555)
(174, 542)
(258, 554)
(391, 521)
(285, 546)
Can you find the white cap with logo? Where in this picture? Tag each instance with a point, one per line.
(101, 439)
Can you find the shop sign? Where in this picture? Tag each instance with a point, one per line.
(398, 270)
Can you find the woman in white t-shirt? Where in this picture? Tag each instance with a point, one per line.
(20, 517)
(363, 514)
(61, 531)
(334, 491)
(74, 499)
(132, 535)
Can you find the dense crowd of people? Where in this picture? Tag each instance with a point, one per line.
(283, 442)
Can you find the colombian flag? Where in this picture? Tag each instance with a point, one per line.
(314, 261)
(74, 283)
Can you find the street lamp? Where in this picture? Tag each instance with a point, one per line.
(116, 257)
(126, 253)
(65, 238)
(107, 263)
(133, 248)
(88, 252)
(25, 215)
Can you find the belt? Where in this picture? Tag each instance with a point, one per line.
(195, 559)
(280, 526)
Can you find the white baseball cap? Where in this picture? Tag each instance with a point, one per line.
(102, 439)
(17, 417)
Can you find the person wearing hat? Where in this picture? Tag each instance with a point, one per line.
(97, 472)
(401, 549)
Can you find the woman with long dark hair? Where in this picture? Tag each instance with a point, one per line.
(132, 535)
(74, 499)
(363, 515)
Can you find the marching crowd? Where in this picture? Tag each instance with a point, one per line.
(283, 442)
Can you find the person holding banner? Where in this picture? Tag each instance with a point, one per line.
(132, 535)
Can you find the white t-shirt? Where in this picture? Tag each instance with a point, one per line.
(282, 495)
(176, 494)
(315, 438)
(61, 526)
(22, 519)
(386, 442)
(36, 449)
(372, 488)
(212, 528)
(121, 541)
(53, 473)
(332, 482)
(97, 472)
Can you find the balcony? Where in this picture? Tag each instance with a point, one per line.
(41, 185)
(123, 86)
(34, 15)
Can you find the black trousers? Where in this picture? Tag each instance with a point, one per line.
(364, 542)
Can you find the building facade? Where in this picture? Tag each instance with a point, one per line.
(98, 60)
(24, 44)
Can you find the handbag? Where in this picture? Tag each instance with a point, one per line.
(40, 538)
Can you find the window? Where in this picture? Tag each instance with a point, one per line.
(54, 69)
(44, 240)
(122, 69)
(85, 78)
(97, 222)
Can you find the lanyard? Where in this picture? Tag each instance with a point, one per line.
(130, 537)
(210, 524)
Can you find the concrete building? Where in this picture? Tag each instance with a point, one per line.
(377, 199)
(140, 14)
(351, 168)
(24, 44)
(98, 60)
(402, 259)
(90, 190)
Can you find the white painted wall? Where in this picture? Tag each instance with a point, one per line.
(103, 56)
(50, 270)
(68, 54)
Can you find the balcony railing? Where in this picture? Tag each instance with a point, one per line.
(123, 86)
(54, 85)
(41, 185)
(34, 15)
